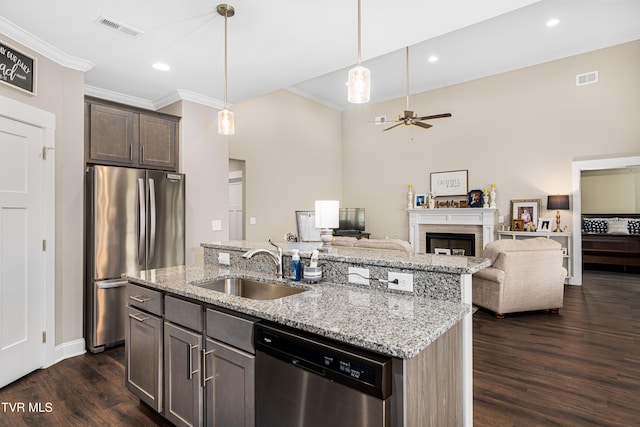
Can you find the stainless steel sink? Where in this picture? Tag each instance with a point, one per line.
(248, 288)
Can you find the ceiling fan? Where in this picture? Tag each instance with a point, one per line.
(411, 117)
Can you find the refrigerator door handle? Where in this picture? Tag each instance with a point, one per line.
(142, 221)
(111, 285)
(152, 220)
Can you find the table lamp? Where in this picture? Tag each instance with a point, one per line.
(558, 203)
(327, 218)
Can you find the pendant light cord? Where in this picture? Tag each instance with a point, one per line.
(359, 33)
(406, 76)
(225, 58)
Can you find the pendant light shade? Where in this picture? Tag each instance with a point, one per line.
(359, 86)
(226, 124)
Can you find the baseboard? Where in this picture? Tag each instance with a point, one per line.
(69, 349)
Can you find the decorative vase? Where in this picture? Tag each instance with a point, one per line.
(485, 199)
(492, 198)
(432, 203)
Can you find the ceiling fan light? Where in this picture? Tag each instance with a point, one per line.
(226, 125)
(359, 85)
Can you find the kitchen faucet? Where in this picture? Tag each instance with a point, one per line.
(277, 257)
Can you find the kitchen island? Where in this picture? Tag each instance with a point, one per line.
(421, 333)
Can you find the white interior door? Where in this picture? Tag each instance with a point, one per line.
(21, 253)
(235, 209)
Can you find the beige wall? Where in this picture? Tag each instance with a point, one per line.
(292, 152)
(204, 158)
(60, 91)
(520, 130)
(611, 191)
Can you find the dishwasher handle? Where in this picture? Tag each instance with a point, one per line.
(308, 367)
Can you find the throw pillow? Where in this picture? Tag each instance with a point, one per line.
(594, 225)
(619, 226)
(634, 226)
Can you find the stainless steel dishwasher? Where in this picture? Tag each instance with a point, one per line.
(306, 380)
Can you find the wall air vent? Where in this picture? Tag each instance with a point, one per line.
(587, 78)
(380, 120)
(114, 25)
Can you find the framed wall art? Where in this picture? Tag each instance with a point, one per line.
(450, 183)
(419, 200)
(17, 69)
(525, 209)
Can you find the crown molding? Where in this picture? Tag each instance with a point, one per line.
(118, 97)
(43, 48)
(187, 95)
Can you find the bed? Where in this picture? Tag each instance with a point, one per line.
(611, 239)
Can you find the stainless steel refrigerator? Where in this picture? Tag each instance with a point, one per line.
(134, 220)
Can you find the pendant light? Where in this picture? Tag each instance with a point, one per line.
(225, 117)
(359, 77)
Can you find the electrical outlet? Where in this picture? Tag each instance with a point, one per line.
(405, 281)
(216, 225)
(359, 276)
(252, 220)
(223, 258)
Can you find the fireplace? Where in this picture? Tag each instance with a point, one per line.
(450, 241)
(480, 221)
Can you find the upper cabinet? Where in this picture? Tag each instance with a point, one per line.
(125, 136)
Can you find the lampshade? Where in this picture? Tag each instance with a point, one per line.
(359, 85)
(226, 124)
(327, 213)
(558, 202)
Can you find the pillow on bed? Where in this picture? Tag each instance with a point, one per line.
(594, 225)
(634, 226)
(618, 226)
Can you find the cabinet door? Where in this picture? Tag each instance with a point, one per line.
(158, 147)
(230, 386)
(113, 135)
(183, 393)
(143, 352)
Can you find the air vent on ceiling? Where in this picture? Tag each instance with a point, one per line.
(587, 78)
(114, 25)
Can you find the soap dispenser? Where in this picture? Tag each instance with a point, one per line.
(295, 266)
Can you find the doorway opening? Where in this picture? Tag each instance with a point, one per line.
(236, 199)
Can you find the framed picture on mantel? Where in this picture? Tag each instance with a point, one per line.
(450, 183)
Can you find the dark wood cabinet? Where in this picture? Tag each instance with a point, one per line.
(126, 136)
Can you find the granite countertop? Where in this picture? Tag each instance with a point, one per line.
(380, 257)
(388, 323)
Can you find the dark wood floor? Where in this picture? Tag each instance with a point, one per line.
(578, 368)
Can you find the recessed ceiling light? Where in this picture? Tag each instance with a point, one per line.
(433, 58)
(553, 22)
(160, 66)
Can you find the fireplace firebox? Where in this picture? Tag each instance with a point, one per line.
(451, 241)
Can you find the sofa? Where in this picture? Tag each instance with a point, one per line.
(387, 244)
(524, 275)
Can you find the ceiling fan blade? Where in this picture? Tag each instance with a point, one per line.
(437, 116)
(392, 126)
(422, 125)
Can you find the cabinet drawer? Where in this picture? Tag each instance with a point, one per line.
(233, 330)
(185, 313)
(144, 298)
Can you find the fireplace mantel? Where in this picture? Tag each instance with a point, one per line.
(487, 218)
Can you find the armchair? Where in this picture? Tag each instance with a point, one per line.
(524, 275)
